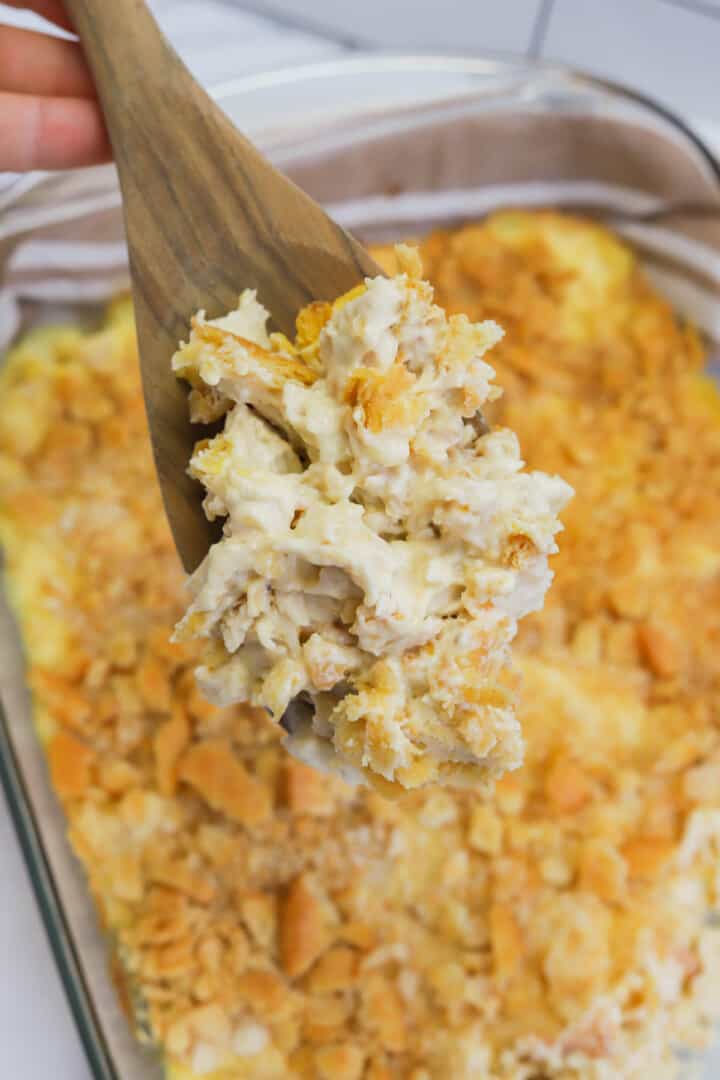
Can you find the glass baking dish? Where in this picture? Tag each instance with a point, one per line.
(393, 145)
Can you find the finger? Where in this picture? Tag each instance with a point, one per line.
(52, 10)
(42, 65)
(50, 133)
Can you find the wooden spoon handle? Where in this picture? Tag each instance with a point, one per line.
(137, 73)
(129, 56)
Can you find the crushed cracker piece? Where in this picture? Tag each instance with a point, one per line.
(212, 769)
(70, 762)
(383, 1013)
(336, 970)
(660, 649)
(340, 1062)
(306, 790)
(303, 932)
(170, 740)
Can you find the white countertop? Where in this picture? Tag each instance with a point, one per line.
(667, 48)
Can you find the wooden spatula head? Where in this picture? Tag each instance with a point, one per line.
(206, 216)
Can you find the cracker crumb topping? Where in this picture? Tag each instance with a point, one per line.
(555, 927)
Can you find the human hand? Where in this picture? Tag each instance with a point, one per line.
(49, 114)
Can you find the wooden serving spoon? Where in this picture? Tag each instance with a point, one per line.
(206, 216)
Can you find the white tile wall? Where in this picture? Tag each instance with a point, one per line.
(669, 48)
(660, 47)
(227, 41)
(706, 6)
(406, 24)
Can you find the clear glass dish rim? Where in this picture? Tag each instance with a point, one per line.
(486, 63)
(22, 811)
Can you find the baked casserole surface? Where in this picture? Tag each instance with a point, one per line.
(269, 921)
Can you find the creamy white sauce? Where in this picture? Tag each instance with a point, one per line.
(372, 539)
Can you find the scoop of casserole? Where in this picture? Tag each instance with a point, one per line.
(380, 543)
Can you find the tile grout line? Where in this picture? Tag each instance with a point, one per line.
(696, 7)
(540, 28)
(301, 24)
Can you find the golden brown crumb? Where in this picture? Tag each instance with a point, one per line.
(291, 926)
(70, 762)
(303, 933)
(306, 790)
(212, 769)
(170, 740)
